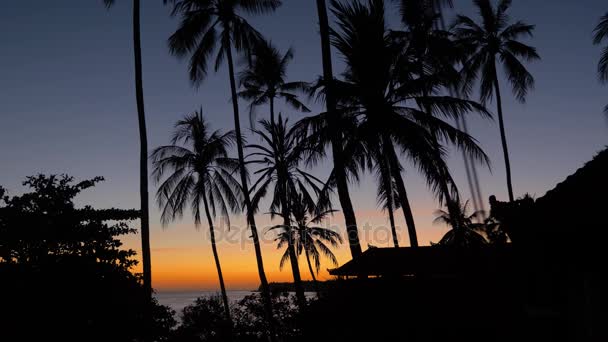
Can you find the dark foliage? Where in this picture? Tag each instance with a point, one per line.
(478, 308)
(64, 273)
(205, 321)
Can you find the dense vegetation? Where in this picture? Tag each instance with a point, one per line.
(64, 272)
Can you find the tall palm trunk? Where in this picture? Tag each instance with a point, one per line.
(391, 219)
(217, 262)
(503, 136)
(444, 173)
(388, 188)
(336, 139)
(468, 168)
(143, 154)
(402, 194)
(450, 202)
(312, 272)
(250, 217)
(293, 257)
(475, 177)
(272, 111)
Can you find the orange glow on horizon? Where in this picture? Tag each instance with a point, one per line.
(182, 257)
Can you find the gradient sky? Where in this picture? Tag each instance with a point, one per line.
(67, 106)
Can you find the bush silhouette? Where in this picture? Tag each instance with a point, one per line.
(64, 274)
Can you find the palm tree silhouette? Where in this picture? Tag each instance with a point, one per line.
(391, 104)
(386, 193)
(600, 33)
(205, 26)
(311, 239)
(465, 231)
(143, 152)
(336, 135)
(486, 41)
(279, 159)
(263, 80)
(433, 54)
(199, 173)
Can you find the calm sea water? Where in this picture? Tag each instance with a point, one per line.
(179, 300)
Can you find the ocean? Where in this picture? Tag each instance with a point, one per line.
(179, 300)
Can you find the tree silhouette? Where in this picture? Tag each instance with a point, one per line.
(600, 33)
(264, 80)
(494, 232)
(460, 219)
(143, 144)
(43, 225)
(386, 193)
(432, 54)
(279, 160)
(77, 252)
(491, 39)
(392, 105)
(199, 173)
(336, 135)
(310, 238)
(218, 24)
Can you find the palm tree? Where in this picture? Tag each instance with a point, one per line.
(208, 25)
(600, 34)
(313, 240)
(386, 194)
(392, 105)
(336, 135)
(143, 150)
(432, 54)
(279, 159)
(199, 173)
(491, 39)
(459, 219)
(424, 9)
(469, 165)
(492, 228)
(264, 80)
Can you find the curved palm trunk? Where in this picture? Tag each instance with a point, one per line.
(344, 197)
(387, 184)
(293, 257)
(312, 272)
(452, 209)
(272, 111)
(402, 194)
(217, 263)
(449, 201)
(503, 136)
(336, 140)
(475, 177)
(250, 218)
(391, 218)
(143, 154)
(444, 177)
(468, 164)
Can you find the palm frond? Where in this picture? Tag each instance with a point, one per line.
(520, 79)
(201, 171)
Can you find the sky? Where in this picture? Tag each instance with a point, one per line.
(67, 105)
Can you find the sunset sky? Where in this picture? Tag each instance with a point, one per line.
(67, 105)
